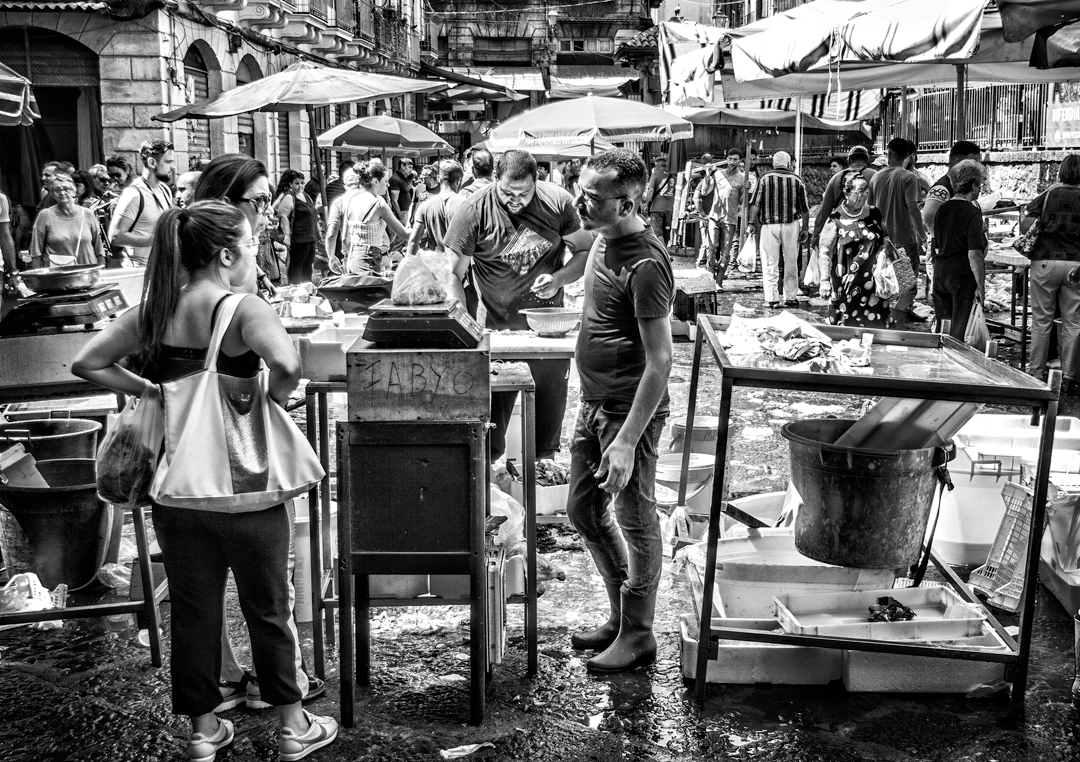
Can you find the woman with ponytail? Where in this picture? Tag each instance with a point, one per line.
(200, 256)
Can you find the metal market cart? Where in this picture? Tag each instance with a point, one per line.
(904, 364)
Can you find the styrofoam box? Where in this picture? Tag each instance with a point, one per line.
(129, 280)
(870, 672)
(940, 614)
(998, 433)
(751, 570)
(741, 661)
(322, 353)
(549, 500)
(1065, 586)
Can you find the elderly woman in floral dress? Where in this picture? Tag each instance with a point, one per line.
(859, 239)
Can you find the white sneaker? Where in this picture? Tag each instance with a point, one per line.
(293, 746)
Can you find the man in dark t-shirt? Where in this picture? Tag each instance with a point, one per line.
(433, 215)
(624, 359)
(401, 189)
(513, 238)
(960, 249)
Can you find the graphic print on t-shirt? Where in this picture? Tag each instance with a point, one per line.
(525, 249)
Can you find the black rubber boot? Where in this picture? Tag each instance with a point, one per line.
(636, 645)
(604, 635)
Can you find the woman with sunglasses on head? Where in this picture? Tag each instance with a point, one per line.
(200, 256)
(299, 225)
(242, 182)
(66, 234)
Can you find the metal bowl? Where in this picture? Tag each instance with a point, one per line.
(552, 322)
(62, 280)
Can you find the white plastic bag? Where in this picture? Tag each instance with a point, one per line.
(977, 335)
(24, 593)
(885, 284)
(747, 259)
(128, 456)
(415, 283)
(512, 530)
(811, 277)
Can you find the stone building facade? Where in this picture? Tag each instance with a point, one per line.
(570, 42)
(102, 68)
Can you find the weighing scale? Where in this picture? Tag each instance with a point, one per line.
(49, 313)
(446, 325)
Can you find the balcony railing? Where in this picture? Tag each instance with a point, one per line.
(345, 15)
(317, 8)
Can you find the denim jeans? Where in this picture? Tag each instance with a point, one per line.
(626, 544)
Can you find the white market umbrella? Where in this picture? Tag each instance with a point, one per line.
(302, 87)
(543, 150)
(382, 132)
(581, 121)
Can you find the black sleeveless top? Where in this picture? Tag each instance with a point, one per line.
(305, 221)
(176, 362)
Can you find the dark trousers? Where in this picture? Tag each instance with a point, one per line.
(954, 294)
(551, 378)
(301, 263)
(199, 548)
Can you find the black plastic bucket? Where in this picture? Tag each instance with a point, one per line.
(61, 533)
(861, 508)
(53, 438)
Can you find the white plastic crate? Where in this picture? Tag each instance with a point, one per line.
(1001, 578)
(746, 662)
(871, 672)
(940, 614)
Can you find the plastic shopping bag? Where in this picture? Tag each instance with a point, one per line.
(885, 283)
(811, 276)
(747, 259)
(128, 457)
(415, 283)
(977, 334)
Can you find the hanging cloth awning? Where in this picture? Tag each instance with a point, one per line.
(17, 105)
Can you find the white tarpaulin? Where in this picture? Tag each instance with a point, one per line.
(824, 33)
(575, 87)
(689, 54)
(996, 62)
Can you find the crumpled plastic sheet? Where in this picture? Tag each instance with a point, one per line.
(459, 752)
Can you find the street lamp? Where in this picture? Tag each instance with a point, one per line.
(552, 18)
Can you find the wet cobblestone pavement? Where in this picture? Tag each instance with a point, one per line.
(87, 692)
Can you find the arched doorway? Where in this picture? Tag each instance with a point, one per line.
(65, 77)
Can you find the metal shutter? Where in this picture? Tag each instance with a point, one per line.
(245, 123)
(198, 130)
(282, 141)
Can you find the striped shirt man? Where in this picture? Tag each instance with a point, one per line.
(780, 197)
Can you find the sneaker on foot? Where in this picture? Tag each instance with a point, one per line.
(234, 692)
(791, 303)
(293, 746)
(316, 688)
(202, 748)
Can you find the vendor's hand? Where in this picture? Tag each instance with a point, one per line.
(617, 465)
(803, 235)
(979, 294)
(544, 287)
(280, 248)
(815, 241)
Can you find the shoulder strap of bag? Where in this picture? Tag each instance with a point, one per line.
(221, 325)
(138, 212)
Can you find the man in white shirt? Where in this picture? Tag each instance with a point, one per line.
(335, 226)
(143, 202)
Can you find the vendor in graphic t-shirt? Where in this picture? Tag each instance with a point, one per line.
(521, 242)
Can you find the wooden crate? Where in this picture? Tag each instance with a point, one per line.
(408, 385)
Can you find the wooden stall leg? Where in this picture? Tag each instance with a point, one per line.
(362, 585)
(347, 651)
(327, 519)
(1038, 516)
(150, 593)
(528, 433)
(315, 565)
(719, 479)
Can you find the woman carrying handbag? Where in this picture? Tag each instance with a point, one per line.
(218, 492)
(1054, 252)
